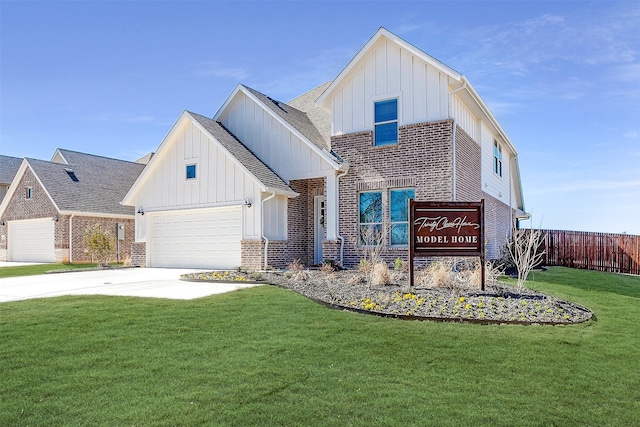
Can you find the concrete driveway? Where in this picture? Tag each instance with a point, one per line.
(137, 282)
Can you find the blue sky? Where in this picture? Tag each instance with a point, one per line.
(562, 78)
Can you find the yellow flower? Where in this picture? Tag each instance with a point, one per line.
(461, 299)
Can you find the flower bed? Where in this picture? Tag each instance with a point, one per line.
(497, 304)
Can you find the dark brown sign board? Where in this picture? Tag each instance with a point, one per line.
(446, 229)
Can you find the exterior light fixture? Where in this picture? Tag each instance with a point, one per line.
(2, 223)
(247, 203)
(141, 211)
(55, 218)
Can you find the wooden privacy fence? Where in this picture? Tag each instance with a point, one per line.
(617, 253)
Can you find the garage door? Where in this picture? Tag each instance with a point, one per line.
(208, 238)
(31, 240)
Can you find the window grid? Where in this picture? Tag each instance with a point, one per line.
(497, 158)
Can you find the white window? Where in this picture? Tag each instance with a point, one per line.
(497, 158)
(29, 193)
(385, 122)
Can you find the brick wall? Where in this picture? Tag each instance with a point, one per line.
(468, 168)
(80, 224)
(498, 217)
(41, 206)
(422, 160)
(138, 254)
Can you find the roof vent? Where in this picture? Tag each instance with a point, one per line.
(71, 174)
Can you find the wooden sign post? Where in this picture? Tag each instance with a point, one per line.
(446, 229)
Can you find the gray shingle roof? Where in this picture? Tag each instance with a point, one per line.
(320, 117)
(88, 183)
(254, 165)
(296, 118)
(8, 168)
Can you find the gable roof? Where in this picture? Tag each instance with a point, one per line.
(8, 168)
(266, 179)
(383, 32)
(297, 121)
(86, 184)
(320, 117)
(242, 154)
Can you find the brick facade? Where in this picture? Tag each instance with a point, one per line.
(138, 254)
(421, 160)
(41, 206)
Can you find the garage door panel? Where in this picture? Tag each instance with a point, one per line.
(203, 239)
(31, 240)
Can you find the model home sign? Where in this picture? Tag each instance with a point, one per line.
(446, 229)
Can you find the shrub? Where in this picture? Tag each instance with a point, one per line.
(380, 275)
(99, 244)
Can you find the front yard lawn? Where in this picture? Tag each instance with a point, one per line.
(34, 269)
(268, 356)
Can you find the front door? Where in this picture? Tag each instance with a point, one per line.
(319, 216)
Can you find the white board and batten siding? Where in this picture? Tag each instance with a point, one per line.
(389, 71)
(271, 141)
(492, 184)
(219, 181)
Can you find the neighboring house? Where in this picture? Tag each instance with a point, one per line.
(50, 204)
(264, 182)
(8, 168)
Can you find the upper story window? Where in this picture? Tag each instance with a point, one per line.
(29, 193)
(399, 215)
(386, 122)
(497, 158)
(191, 171)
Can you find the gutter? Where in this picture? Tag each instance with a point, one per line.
(266, 241)
(340, 237)
(71, 238)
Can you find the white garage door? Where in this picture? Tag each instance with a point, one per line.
(208, 238)
(31, 240)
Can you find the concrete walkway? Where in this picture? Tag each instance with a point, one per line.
(137, 282)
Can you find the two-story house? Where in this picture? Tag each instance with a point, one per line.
(329, 173)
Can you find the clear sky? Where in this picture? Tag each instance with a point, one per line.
(562, 78)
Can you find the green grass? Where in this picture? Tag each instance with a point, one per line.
(267, 356)
(31, 270)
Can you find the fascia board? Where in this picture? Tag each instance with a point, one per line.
(494, 122)
(155, 160)
(97, 214)
(58, 153)
(260, 184)
(227, 101)
(518, 180)
(322, 153)
(383, 32)
(14, 186)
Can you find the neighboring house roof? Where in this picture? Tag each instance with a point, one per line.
(86, 184)
(8, 168)
(251, 163)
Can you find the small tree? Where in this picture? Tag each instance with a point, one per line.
(524, 248)
(99, 244)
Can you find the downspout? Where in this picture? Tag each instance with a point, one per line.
(71, 239)
(266, 241)
(338, 217)
(510, 208)
(453, 141)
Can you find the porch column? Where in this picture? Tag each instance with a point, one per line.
(331, 207)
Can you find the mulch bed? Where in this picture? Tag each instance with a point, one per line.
(348, 290)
